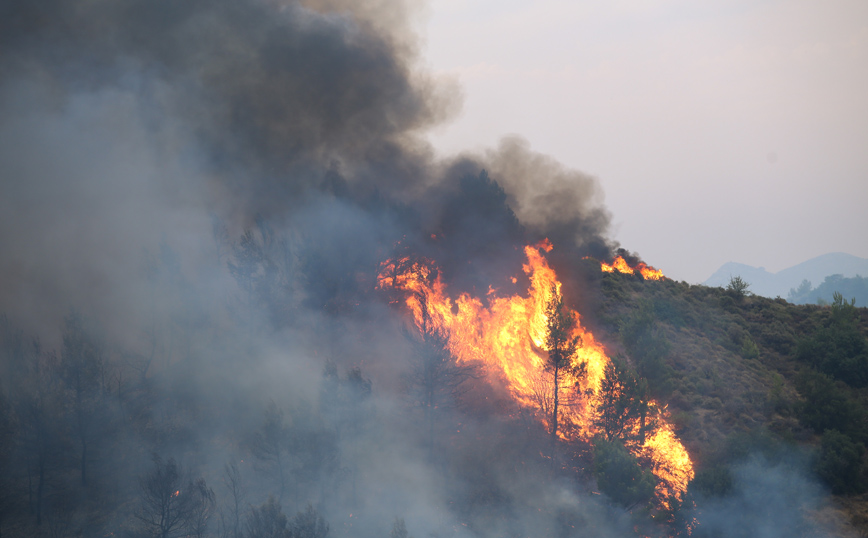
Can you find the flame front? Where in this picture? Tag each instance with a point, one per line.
(508, 338)
(621, 265)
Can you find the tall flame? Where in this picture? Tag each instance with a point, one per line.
(621, 265)
(508, 338)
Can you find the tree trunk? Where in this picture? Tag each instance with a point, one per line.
(555, 415)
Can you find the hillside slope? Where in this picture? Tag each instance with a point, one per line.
(741, 377)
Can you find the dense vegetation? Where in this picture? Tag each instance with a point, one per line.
(95, 438)
(746, 375)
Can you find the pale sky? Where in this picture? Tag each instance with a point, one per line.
(719, 130)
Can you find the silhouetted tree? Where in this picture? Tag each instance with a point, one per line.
(172, 503)
(82, 370)
(267, 521)
(8, 436)
(262, 265)
(399, 529)
(738, 287)
(345, 401)
(308, 524)
(270, 444)
(436, 381)
(44, 440)
(561, 346)
(231, 522)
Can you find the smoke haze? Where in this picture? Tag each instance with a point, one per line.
(213, 184)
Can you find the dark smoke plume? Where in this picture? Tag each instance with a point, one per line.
(122, 119)
(213, 184)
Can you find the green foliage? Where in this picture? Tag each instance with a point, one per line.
(796, 293)
(622, 405)
(841, 463)
(839, 348)
(712, 482)
(777, 399)
(749, 349)
(648, 348)
(561, 346)
(737, 287)
(824, 406)
(619, 475)
(855, 287)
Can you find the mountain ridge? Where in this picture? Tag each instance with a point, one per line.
(815, 270)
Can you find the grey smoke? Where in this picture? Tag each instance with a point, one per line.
(127, 129)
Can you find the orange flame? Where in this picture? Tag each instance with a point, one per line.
(621, 265)
(508, 338)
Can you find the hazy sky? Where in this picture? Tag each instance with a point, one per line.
(719, 130)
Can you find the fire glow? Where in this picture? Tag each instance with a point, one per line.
(621, 265)
(508, 338)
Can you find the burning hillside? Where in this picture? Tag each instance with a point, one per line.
(507, 334)
(620, 265)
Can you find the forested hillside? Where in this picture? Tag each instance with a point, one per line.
(241, 296)
(746, 375)
(203, 431)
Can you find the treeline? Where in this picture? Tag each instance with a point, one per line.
(853, 288)
(91, 445)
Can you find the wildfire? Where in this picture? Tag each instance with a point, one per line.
(508, 338)
(621, 265)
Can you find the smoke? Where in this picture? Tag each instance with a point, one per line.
(550, 199)
(771, 499)
(144, 118)
(215, 183)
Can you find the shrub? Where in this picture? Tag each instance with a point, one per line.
(619, 475)
(841, 463)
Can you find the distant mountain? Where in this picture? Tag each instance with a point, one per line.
(779, 284)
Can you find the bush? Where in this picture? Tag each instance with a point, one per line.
(712, 482)
(841, 463)
(824, 407)
(749, 349)
(619, 475)
(839, 348)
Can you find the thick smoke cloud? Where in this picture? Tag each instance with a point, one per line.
(214, 184)
(187, 109)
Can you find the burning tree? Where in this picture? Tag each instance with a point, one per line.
(562, 346)
(537, 346)
(436, 379)
(623, 406)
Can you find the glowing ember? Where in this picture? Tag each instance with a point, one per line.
(620, 265)
(508, 338)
